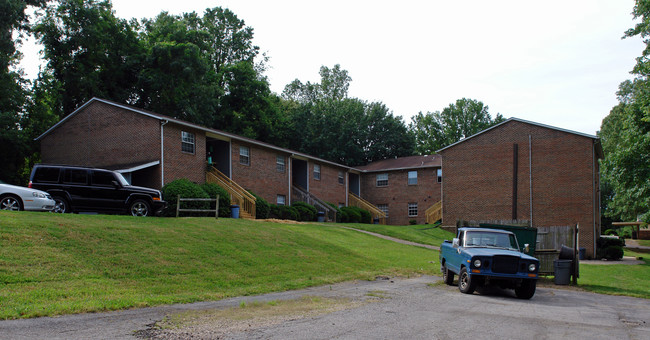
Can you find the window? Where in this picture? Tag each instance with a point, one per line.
(413, 177)
(281, 200)
(244, 155)
(187, 144)
(341, 205)
(341, 178)
(46, 175)
(384, 208)
(382, 180)
(317, 172)
(439, 172)
(413, 209)
(279, 163)
(75, 176)
(102, 178)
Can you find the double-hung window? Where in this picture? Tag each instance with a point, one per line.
(281, 200)
(187, 142)
(439, 173)
(341, 178)
(317, 172)
(279, 163)
(382, 180)
(384, 208)
(413, 177)
(244, 155)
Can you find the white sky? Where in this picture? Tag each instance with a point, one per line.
(555, 62)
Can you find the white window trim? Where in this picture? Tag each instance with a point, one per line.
(317, 166)
(280, 166)
(409, 209)
(377, 180)
(186, 140)
(409, 178)
(281, 202)
(247, 155)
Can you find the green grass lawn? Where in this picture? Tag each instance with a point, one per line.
(645, 243)
(617, 279)
(55, 264)
(425, 234)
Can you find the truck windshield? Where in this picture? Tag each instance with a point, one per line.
(490, 239)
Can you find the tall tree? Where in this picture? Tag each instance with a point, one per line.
(14, 25)
(89, 51)
(325, 122)
(435, 130)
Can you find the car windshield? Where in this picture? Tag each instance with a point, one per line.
(490, 239)
(122, 179)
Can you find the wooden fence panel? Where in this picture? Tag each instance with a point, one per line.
(552, 238)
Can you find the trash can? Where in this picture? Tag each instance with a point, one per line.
(320, 216)
(562, 270)
(582, 253)
(566, 253)
(234, 211)
(375, 221)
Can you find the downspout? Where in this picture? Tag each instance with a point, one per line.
(347, 188)
(593, 191)
(530, 176)
(290, 161)
(162, 153)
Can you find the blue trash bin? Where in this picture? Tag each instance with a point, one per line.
(320, 216)
(582, 253)
(234, 211)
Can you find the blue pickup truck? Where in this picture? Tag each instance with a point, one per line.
(481, 256)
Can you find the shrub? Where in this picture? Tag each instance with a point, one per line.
(365, 216)
(212, 190)
(353, 215)
(284, 212)
(609, 248)
(262, 207)
(613, 253)
(186, 189)
(339, 213)
(413, 222)
(306, 212)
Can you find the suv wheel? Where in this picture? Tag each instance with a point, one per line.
(60, 205)
(139, 208)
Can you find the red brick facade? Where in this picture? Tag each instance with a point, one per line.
(562, 184)
(398, 193)
(328, 188)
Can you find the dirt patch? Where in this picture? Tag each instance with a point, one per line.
(219, 323)
(275, 220)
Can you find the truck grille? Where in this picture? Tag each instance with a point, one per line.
(505, 264)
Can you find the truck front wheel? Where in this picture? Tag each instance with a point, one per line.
(526, 290)
(465, 283)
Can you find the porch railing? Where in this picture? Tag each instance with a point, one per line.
(301, 195)
(434, 213)
(356, 201)
(238, 195)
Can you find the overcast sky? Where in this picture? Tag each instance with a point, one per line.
(553, 62)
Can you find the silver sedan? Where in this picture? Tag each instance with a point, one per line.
(20, 198)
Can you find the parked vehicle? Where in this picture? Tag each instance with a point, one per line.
(20, 198)
(481, 256)
(81, 189)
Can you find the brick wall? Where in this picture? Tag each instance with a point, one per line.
(398, 194)
(261, 175)
(328, 187)
(180, 164)
(102, 135)
(478, 179)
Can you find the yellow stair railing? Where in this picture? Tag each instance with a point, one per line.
(238, 195)
(356, 201)
(434, 213)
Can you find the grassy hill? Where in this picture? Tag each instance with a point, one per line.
(54, 264)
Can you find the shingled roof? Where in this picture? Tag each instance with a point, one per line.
(410, 162)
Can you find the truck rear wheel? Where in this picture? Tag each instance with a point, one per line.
(465, 283)
(447, 276)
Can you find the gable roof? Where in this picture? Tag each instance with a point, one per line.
(165, 118)
(513, 119)
(402, 163)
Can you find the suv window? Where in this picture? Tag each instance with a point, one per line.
(75, 176)
(102, 178)
(47, 175)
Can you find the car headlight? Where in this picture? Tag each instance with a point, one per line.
(532, 267)
(38, 194)
(477, 263)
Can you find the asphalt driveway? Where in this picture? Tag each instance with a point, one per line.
(390, 308)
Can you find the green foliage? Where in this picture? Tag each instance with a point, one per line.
(186, 189)
(306, 212)
(92, 263)
(262, 207)
(284, 212)
(610, 248)
(325, 122)
(212, 190)
(413, 222)
(351, 215)
(435, 130)
(365, 216)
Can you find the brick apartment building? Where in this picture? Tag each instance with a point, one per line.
(520, 170)
(514, 170)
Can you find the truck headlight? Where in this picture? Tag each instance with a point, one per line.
(532, 267)
(477, 263)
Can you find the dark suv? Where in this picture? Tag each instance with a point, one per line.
(77, 189)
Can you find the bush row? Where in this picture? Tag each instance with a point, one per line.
(610, 248)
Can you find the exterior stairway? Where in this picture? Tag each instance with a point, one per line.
(434, 213)
(238, 195)
(356, 201)
(300, 194)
